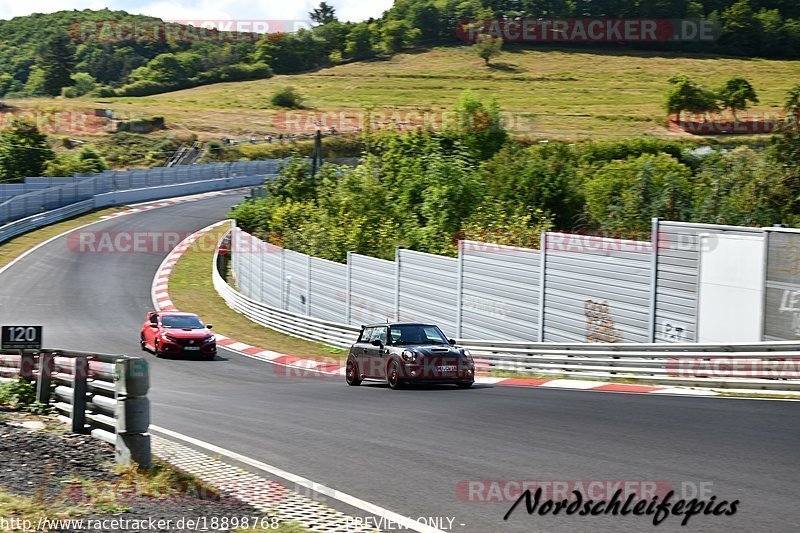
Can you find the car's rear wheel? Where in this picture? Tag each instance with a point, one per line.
(464, 384)
(351, 375)
(393, 377)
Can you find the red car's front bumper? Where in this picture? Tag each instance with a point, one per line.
(188, 348)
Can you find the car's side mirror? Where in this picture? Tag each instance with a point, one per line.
(452, 342)
(209, 326)
(378, 343)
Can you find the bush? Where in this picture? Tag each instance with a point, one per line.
(17, 394)
(287, 97)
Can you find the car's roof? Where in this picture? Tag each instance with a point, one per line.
(386, 324)
(177, 313)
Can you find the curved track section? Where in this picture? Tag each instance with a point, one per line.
(415, 451)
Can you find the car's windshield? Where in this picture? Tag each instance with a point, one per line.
(417, 335)
(182, 322)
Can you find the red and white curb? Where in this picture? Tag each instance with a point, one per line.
(149, 206)
(163, 302)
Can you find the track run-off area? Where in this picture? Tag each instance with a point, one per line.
(434, 452)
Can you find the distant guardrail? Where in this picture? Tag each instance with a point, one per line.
(123, 197)
(87, 187)
(100, 394)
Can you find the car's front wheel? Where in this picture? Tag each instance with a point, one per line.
(142, 343)
(393, 377)
(156, 351)
(464, 384)
(351, 375)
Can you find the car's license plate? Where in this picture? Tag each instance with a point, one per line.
(192, 348)
(448, 368)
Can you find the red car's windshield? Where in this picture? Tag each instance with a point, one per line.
(182, 322)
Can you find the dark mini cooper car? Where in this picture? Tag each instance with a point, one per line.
(408, 353)
(177, 334)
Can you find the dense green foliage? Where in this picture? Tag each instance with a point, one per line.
(737, 94)
(23, 151)
(39, 53)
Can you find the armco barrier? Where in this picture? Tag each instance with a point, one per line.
(771, 366)
(765, 366)
(104, 395)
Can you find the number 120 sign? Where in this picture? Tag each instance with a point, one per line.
(22, 338)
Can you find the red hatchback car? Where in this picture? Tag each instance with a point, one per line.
(177, 334)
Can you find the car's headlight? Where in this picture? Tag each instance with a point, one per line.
(168, 337)
(209, 338)
(409, 356)
(466, 354)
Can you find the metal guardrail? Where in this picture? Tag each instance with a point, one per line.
(294, 324)
(123, 197)
(99, 394)
(754, 366)
(9, 231)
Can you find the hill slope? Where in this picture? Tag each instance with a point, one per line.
(545, 93)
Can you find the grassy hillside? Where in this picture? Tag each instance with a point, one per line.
(548, 92)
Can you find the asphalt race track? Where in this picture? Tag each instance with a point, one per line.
(408, 450)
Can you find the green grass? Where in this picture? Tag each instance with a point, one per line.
(549, 92)
(191, 289)
(11, 249)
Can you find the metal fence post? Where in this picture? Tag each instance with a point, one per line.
(283, 279)
(348, 288)
(26, 365)
(460, 289)
(46, 368)
(78, 413)
(542, 284)
(654, 242)
(131, 383)
(308, 285)
(397, 284)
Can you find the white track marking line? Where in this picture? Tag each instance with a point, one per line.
(343, 497)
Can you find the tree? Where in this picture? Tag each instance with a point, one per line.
(287, 97)
(626, 195)
(86, 161)
(35, 85)
(685, 95)
(57, 63)
(480, 125)
(792, 104)
(23, 151)
(323, 14)
(740, 29)
(736, 94)
(397, 35)
(358, 44)
(488, 47)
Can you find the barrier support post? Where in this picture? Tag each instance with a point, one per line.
(46, 367)
(131, 383)
(79, 389)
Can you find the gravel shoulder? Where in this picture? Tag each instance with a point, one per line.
(46, 472)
